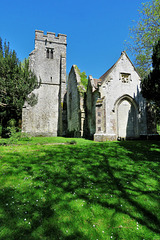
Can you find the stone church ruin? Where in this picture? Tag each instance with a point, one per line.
(111, 108)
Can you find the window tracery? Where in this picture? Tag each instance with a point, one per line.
(125, 77)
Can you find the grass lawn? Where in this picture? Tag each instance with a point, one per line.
(87, 191)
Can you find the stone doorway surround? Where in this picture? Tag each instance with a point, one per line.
(126, 109)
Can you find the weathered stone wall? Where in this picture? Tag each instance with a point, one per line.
(91, 100)
(42, 119)
(75, 104)
(121, 87)
(48, 62)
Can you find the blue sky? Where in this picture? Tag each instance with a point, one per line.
(96, 30)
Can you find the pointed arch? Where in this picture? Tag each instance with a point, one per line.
(125, 97)
(126, 109)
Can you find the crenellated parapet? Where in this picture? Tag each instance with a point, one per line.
(50, 37)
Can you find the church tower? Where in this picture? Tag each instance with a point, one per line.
(48, 62)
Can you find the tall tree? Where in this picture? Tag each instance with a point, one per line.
(16, 83)
(151, 83)
(144, 34)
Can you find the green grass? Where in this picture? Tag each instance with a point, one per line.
(44, 141)
(84, 191)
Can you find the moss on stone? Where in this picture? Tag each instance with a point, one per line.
(84, 81)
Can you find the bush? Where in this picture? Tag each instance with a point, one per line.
(25, 137)
(14, 133)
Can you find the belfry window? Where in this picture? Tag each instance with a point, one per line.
(51, 54)
(47, 53)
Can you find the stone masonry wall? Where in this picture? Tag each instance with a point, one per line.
(75, 102)
(91, 100)
(48, 62)
(122, 82)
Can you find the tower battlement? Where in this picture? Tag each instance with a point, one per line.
(50, 37)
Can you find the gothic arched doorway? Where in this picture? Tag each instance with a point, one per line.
(127, 118)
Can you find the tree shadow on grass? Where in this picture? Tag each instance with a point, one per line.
(107, 176)
(148, 219)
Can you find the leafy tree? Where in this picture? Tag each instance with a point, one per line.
(16, 83)
(151, 84)
(145, 34)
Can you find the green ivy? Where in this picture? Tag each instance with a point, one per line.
(84, 80)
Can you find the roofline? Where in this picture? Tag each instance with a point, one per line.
(110, 69)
